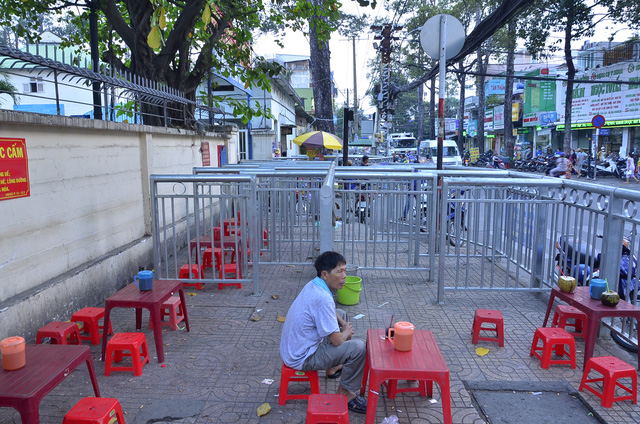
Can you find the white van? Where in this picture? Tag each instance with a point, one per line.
(428, 152)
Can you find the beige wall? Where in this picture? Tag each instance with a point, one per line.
(83, 231)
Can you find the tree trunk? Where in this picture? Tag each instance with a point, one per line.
(480, 88)
(321, 77)
(571, 73)
(508, 92)
(462, 81)
(420, 112)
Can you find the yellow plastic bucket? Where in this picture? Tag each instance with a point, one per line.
(350, 293)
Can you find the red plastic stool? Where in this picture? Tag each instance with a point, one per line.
(326, 408)
(566, 312)
(424, 387)
(95, 410)
(90, 317)
(612, 369)
(492, 317)
(289, 374)
(207, 258)
(173, 308)
(131, 342)
(195, 272)
(58, 332)
(551, 337)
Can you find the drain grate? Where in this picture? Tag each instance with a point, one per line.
(530, 403)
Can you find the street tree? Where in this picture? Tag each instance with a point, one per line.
(177, 43)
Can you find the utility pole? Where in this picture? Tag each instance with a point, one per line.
(356, 120)
(385, 35)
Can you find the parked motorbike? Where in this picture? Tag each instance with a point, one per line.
(456, 227)
(363, 210)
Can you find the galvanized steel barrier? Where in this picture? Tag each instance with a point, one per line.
(480, 230)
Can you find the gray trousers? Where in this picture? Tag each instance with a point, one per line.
(351, 354)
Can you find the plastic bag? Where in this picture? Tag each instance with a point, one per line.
(393, 419)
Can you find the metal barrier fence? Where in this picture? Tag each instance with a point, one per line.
(479, 230)
(215, 218)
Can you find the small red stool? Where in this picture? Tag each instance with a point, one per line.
(58, 332)
(327, 408)
(207, 258)
(173, 308)
(424, 387)
(289, 374)
(492, 317)
(612, 369)
(566, 312)
(90, 317)
(195, 272)
(551, 337)
(131, 342)
(95, 410)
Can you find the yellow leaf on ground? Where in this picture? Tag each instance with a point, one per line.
(192, 294)
(274, 296)
(263, 409)
(481, 351)
(280, 318)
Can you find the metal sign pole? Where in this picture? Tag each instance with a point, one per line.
(443, 86)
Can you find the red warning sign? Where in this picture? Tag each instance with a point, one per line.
(14, 168)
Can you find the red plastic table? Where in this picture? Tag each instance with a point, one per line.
(424, 362)
(46, 366)
(132, 297)
(595, 311)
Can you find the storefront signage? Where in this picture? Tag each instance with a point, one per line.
(206, 154)
(609, 98)
(515, 112)
(523, 130)
(610, 124)
(474, 154)
(498, 117)
(14, 168)
(488, 120)
(539, 99)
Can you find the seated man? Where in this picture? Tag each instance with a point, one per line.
(316, 335)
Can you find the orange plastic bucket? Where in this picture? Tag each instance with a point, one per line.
(13, 355)
(403, 336)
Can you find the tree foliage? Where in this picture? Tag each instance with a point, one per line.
(176, 43)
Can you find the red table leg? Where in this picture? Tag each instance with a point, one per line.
(105, 333)
(184, 308)
(92, 375)
(552, 297)
(372, 398)
(157, 332)
(446, 398)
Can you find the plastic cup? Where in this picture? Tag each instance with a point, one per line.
(13, 353)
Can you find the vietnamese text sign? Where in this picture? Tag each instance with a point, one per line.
(539, 97)
(608, 95)
(14, 168)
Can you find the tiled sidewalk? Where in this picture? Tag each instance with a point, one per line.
(214, 373)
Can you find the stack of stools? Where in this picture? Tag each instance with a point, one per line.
(612, 370)
(326, 408)
(566, 312)
(488, 316)
(58, 332)
(195, 273)
(135, 344)
(553, 339)
(95, 410)
(289, 374)
(208, 256)
(90, 319)
(173, 308)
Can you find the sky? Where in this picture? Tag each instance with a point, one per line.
(342, 51)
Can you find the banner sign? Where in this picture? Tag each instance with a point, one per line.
(539, 98)
(474, 154)
(498, 117)
(610, 98)
(14, 168)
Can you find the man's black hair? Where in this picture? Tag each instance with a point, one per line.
(327, 261)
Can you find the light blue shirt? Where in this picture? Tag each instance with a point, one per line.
(311, 318)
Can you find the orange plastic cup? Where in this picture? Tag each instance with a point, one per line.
(13, 354)
(403, 336)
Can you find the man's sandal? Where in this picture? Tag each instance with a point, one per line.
(358, 404)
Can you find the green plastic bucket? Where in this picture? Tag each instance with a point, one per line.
(350, 293)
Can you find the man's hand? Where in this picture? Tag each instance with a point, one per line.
(346, 333)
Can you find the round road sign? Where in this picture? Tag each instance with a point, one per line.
(430, 36)
(598, 121)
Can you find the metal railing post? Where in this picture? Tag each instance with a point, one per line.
(255, 233)
(444, 204)
(326, 210)
(613, 232)
(539, 242)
